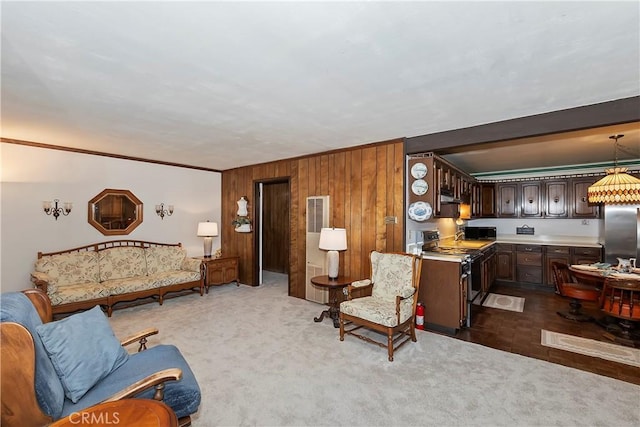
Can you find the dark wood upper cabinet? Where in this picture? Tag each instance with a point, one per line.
(488, 200)
(580, 206)
(531, 199)
(555, 199)
(506, 200)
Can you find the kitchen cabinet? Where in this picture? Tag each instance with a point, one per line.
(439, 182)
(529, 264)
(569, 255)
(443, 292)
(554, 254)
(467, 189)
(422, 177)
(429, 178)
(505, 265)
(441, 175)
(476, 200)
(530, 199)
(488, 200)
(555, 199)
(456, 184)
(580, 206)
(586, 255)
(218, 271)
(507, 200)
(488, 269)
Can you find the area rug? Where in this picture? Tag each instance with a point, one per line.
(588, 347)
(504, 302)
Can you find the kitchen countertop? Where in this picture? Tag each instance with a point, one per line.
(524, 240)
(549, 240)
(442, 257)
(519, 239)
(449, 242)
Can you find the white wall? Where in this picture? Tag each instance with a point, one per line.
(590, 228)
(31, 175)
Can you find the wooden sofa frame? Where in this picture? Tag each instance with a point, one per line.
(110, 301)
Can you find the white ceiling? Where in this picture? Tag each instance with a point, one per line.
(226, 84)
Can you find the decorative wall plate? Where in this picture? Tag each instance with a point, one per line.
(419, 170)
(420, 211)
(419, 187)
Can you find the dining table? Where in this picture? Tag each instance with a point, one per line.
(598, 274)
(619, 300)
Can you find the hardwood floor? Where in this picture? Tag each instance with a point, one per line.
(520, 332)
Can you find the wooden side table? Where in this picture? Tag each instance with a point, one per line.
(125, 412)
(219, 271)
(335, 287)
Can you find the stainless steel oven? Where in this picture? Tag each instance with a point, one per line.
(475, 271)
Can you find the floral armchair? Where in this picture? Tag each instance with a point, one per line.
(389, 304)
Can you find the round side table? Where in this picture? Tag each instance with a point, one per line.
(335, 287)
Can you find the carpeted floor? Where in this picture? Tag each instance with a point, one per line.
(261, 360)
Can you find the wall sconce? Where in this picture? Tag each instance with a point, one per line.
(333, 240)
(207, 230)
(55, 210)
(161, 211)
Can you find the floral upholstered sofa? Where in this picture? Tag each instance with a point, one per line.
(115, 272)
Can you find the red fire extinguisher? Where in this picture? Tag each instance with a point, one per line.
(420, 316)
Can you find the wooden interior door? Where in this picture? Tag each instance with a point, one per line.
(275, 227)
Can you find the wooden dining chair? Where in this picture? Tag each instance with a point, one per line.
(568, 286)
(621, 299)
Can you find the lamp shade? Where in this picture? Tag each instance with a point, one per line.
(333, 239)
(207, 229)
(617, 187)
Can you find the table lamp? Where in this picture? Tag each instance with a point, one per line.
(333, 240)
(207, 230)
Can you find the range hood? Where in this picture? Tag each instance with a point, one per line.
(446, 196)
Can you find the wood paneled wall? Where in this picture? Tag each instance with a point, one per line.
(365, 185)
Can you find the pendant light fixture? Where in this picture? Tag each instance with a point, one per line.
(617, 187)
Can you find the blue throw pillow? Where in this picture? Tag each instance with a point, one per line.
(83, 350)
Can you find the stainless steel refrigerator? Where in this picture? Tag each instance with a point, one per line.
(621, 232)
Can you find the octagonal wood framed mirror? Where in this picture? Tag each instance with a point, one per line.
(115, 212)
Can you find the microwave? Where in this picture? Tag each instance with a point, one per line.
(479, 233)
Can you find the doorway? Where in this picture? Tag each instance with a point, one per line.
(272, 230)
